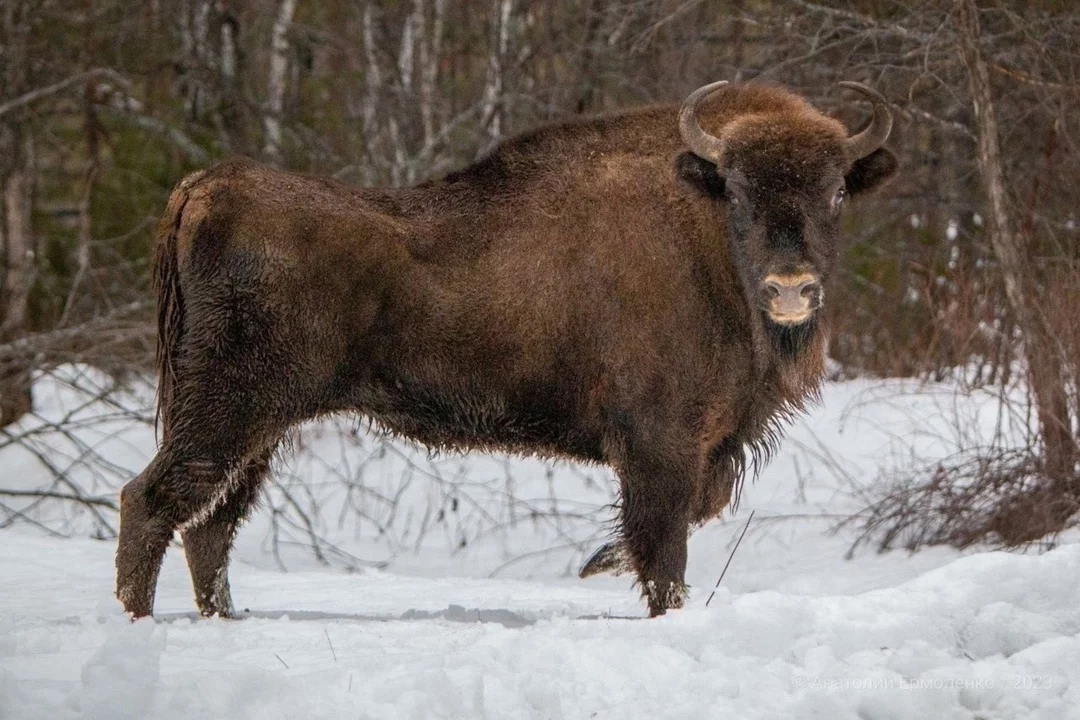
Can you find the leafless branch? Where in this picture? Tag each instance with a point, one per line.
(75, 80)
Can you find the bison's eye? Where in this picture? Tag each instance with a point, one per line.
(838, 198)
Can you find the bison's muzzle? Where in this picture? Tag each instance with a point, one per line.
(791, 299)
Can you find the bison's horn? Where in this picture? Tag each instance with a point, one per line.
(875, 135)
(700, 142)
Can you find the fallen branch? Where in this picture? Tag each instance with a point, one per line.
(31, 345)
(53, 495)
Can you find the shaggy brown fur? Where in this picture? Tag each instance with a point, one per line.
(588, 291)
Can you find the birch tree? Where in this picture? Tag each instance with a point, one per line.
(494, 100)
(275, 85)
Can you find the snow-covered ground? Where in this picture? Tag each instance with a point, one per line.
(447, 589)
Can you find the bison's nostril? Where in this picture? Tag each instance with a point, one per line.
(810, 290)
(772, 289)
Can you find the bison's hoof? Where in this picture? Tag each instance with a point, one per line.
(608, 558)
(665, 596)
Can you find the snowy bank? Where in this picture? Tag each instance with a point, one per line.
(475, 611)
(990, 635)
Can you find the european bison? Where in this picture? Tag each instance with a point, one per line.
(639, 289)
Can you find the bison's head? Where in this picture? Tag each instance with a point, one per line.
(783, 170)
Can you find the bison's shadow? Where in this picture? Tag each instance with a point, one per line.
(453, 613)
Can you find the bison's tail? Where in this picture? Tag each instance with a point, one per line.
(170, 302)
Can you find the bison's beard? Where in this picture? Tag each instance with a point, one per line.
(790, 340)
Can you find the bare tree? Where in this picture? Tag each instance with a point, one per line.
(275, 85)
(15, 378)
(1030, 513)
(494, 87)
(16, 186)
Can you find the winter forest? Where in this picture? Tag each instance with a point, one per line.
(911, 551)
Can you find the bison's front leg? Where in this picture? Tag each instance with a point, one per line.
(724, 472)
(656, 493)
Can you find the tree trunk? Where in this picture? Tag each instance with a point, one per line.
(494, 88)
(84, 223)
(587, 65)
(229, 66)
(1045, 371)
(197, 61)
(404, 170)
(430, 55)
(275, 86)
(15, 375)
(373, 81)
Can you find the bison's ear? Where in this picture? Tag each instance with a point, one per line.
(699, 174)
(869, 172)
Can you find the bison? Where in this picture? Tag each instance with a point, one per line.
(641, 290)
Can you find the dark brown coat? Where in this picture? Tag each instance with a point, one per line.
(589, 290)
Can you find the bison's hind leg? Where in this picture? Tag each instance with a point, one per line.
(144, 534)
(202, 494)
(203, 479)
(170, 493)
(207, 543)
(611, 557)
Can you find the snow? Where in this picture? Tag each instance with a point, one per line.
(405, 622)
